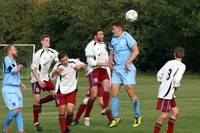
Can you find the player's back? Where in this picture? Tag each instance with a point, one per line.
(170, 76)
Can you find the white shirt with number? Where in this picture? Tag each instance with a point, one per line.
(42, 61)
(95, 52)
(170, 76)
(66, 81)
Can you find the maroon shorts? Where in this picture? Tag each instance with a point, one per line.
(37, 89)
(100, 91)
(64, 99)
(97, 76)
(165, 105)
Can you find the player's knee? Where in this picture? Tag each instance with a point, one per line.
(175, 112)
(17, 110)
(107, 86)
(163, 117)
(129, 87)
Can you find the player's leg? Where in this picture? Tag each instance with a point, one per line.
(172, 119)
(101, 103)
(36, 89)
(163, 106)
(19, 120)
(93, 81)
(81, 109)
(71, 101)
(163, 116)
(61, 104)
(51, 89)
(105, 82)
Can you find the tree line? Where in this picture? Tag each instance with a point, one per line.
(162, 25)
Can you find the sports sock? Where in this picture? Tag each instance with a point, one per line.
(19, 121)
(136, 105)
(171, 124)
(108, 115)
(81, 109)
(62, 122)
(10, 116)
(36, 111)
(115, 107)
(46, 99)
(106, 99)
(89, 108)
(157, 128)
(69, 119)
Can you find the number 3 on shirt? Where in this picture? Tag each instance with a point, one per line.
(169, 73)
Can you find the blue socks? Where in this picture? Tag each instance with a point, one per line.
(18, 118)
(136, 105)
(10, 116)
(115, 107)
(19, 121)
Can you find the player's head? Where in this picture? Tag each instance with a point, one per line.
(117, 28)
(98, 35)
(63, 58)
(11, 50)
(45, 40)
(179, 52)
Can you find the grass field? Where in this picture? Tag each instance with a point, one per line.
(188, 100)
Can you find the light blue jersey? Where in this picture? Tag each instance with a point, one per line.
(121, 47)
(11, 84)
(10, 76)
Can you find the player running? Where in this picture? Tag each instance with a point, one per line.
(123, 50)
(42, 61)
(169, 76)
(66, 87)
(83, 105)
(97, 59)
(11, 90)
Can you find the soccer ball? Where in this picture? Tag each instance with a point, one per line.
(131, 15)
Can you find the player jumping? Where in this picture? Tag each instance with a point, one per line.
(169, 77)
(66, 87)
(42, 61)
(123, 50)
(97, 59)
(11, 90)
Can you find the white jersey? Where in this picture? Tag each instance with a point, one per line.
(95, 52)
(66, 81)
(42, 61)
(170, 76)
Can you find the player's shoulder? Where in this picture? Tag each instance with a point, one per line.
(39, 52)
(90, 45)
(52, 50)
(6, 59)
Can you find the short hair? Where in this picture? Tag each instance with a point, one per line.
(62, 55)
(179, 52)
(96, 32)
(7, 48)
(44, 36)
(118, 24)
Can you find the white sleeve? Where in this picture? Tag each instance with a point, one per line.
(161, 73)
(56, 56)
(35, 62)
(179, 75)
(90, 55)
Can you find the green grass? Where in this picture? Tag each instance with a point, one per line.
(188, 101)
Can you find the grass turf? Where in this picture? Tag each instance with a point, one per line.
(188, 101)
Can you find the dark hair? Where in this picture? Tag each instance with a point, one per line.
(44, 36)
(96, 32)
(118, 24)
(61, 55)
(179, 52)
(7, 48)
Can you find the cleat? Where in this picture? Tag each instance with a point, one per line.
(137, 122)
(67, 130)
(74, 122)
(87, 121)
(38, 127)
(105, 111)
(115, 122)
(6, 130)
